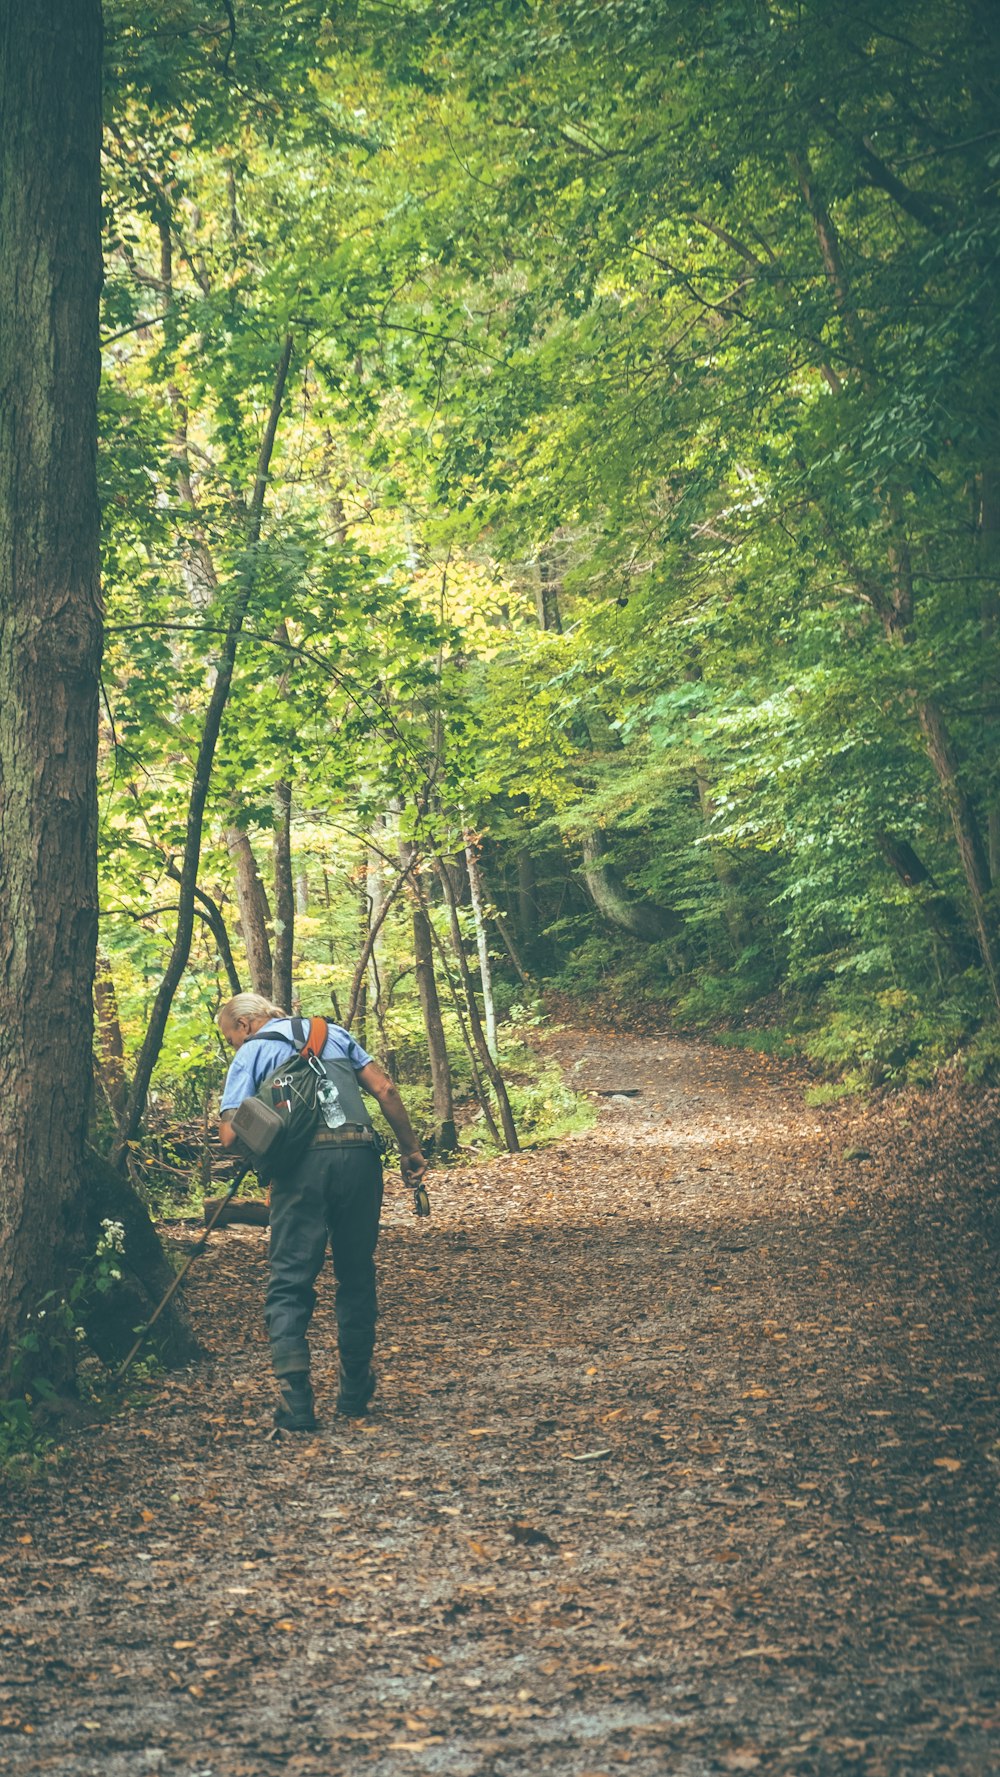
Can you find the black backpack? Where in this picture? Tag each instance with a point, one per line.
(277, 1125)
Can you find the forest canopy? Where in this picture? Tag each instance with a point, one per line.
(631, 514)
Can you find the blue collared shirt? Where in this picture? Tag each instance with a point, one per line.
(254, 1060)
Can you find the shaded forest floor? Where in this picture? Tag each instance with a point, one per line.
(684, 1461)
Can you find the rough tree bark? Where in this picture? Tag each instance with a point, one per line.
(255, 914)
(50, 627)
(109, 1036)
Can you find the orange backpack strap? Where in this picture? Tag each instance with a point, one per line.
(315, 1042)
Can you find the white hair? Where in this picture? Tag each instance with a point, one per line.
(247, 1005)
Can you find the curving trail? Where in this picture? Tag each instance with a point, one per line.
(684, 1461)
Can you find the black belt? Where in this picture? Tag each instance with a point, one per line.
(340, 1137)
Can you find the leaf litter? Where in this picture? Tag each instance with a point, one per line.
(684, 1458)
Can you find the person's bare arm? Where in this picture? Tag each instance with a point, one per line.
(227, 1134)
(375, 1080)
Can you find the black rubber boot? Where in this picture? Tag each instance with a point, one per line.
(356, 1390)
(294, 1411)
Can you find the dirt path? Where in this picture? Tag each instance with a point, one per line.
(684, 1461)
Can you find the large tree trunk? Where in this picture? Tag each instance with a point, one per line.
(255, 914)
(50, 627)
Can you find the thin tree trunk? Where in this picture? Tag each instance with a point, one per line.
(374, 927)
(939, 910)
(478, 1084)
(281, 859)
(211, 913)
(615, 904)
(430, 1005)
(375, 889)
(444, 1103)
(284, 895)
(475, 1022)
(482, 942)
(376, 920)
(989, 556)
(527, 902)
(109, 1035)
(547, 595)
(500, 921)
(255, 914)
(50, 628)
(180, 949)
(967, 835)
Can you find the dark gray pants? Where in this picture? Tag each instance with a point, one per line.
(334, 1194)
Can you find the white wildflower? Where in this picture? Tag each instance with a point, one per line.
(113, 1238)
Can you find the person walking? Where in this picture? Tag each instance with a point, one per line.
(333, 1193)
